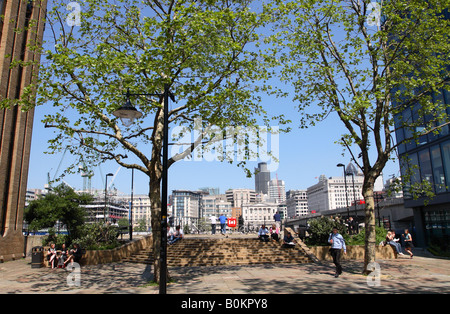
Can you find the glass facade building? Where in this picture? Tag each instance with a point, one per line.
(426, 159)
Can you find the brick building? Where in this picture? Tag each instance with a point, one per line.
(22, 25)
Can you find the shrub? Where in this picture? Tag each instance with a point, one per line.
(98, 236)
(358, 239)
(320, 228)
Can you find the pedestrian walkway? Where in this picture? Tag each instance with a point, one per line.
(418, 275)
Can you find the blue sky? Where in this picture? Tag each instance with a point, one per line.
(304, 154)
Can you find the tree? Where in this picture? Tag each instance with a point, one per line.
(63, 205)
(206, 51)
(320, 228)
(365, 63)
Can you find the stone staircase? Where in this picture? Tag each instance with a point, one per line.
(224, 251)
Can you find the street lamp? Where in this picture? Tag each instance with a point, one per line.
(345, 182)
(106, 187)
(130, 220)
(354, 198)
(128, 114)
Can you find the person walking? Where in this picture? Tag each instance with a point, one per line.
(408, 242)
(337, 244)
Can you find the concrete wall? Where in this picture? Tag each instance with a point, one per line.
(117, 254)
(353, 252)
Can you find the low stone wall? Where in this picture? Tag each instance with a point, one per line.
(353, 252)
(117, 254)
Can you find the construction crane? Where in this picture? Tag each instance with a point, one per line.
(48, 186)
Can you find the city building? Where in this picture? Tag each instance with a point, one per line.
(239, 197)
(215, 205)
(141, 211)
(186, 206)
(262, 178)
(257, 214)
(427, 160)
(330, 193)
(277, 190)
(296, 203)
(98, 210)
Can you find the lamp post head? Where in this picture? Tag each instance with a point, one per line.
(127, 113)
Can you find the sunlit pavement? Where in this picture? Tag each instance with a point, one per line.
(418, 275)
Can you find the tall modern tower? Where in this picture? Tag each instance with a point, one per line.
(21, 27)
(262, 178)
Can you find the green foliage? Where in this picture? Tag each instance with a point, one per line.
(366, 75)
(320, 228)
(63, 205)
(98, 236)
(207, 51)
(358, 239)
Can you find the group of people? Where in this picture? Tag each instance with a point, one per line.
(273, 233)
(60, 258)
(394, 242)
(223, 224)
(337, 243)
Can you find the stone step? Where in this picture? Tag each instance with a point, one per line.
(212, 252)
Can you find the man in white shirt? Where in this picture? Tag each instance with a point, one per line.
(213, 224)
(337, 244)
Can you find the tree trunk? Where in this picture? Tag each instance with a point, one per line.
(155, 175)
(155, 203)
(370, 233)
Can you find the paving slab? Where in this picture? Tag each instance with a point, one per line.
(422, 274)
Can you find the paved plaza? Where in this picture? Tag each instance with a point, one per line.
(422, 274)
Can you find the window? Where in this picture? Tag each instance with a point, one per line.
(425, 166)
(438, 169)
(410, 173)
(445, 151)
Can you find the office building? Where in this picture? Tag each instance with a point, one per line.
(330, 193)
(186, 206)
(428, 160)
(239, 197)
(277, 191)
(296, 203)
(262, 178)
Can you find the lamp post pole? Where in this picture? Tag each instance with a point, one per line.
(128, 113)
(354, 199)
(345, 184)
(106, 190)
(130, 221)
(163, 253)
